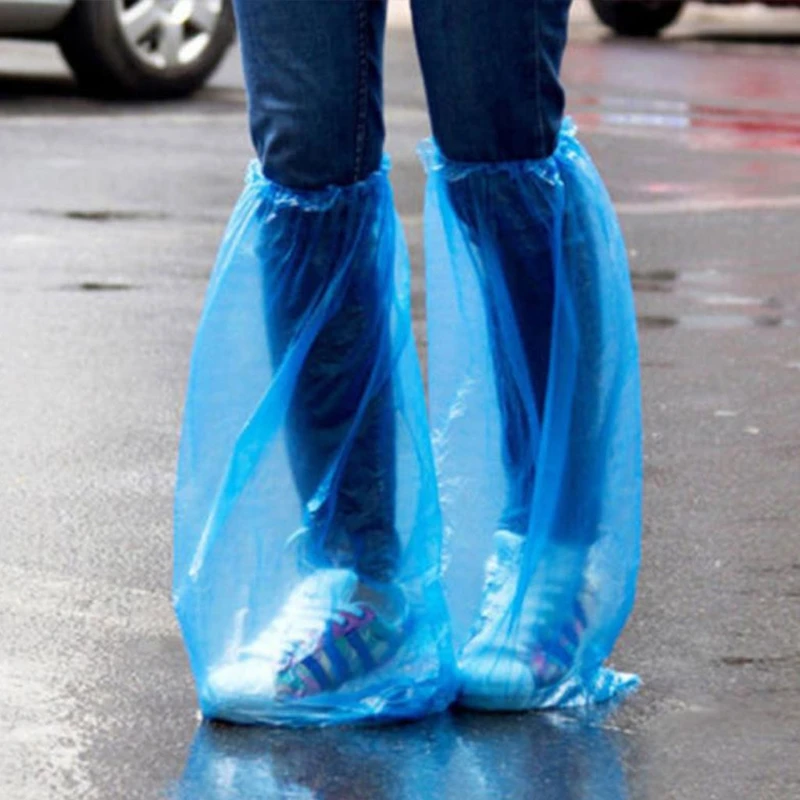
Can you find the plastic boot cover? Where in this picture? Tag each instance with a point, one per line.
(534, 388)
(308, 532)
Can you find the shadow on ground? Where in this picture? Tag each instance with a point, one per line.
(19, 85)
(790, 39)
(55, 94)
(771, 38)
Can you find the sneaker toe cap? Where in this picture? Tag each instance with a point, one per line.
(493, 681)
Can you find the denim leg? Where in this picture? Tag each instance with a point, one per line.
(532, 302)
(313, 72)
(491, 70)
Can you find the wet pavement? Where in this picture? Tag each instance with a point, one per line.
(109, 220)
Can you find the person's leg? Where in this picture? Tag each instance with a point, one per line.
(501, 101)
(531, 216)
(314, 87)
(313, 74)
(491, 70)
(313, 71)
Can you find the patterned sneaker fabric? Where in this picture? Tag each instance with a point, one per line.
(354, 642)
(544, 638)
(553, 658)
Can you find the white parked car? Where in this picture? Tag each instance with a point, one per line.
(129, 48)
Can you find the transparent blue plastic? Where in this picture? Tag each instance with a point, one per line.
(535, 407)
(306, 484)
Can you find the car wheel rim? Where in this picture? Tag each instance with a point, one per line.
(168, 34)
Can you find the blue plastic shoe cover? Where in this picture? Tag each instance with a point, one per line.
(307, 525)
(535, 406)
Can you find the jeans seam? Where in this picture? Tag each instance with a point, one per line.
(538, 70)
(363, 87)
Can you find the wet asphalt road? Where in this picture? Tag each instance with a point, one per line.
(109, 220)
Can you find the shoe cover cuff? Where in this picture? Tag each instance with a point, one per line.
(435, 161)
(312, 199)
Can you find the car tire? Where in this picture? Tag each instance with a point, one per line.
(99, 47)
(637, 17)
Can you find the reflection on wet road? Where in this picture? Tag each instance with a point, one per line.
(699, 126)
(714, 300)
(465, 756)
(744, 144)
(106, 250)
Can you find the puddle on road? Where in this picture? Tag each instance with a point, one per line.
(709, 322)
(114, 216)
(704, 125)
(707, 289)
(459, 751)
(97, 286)
(790, 660)
(653, 321)
(103, 215)
(662, 280)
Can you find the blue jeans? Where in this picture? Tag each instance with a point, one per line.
(314, 79)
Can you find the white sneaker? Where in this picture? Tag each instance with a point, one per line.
(508, 661)
(331, 630)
